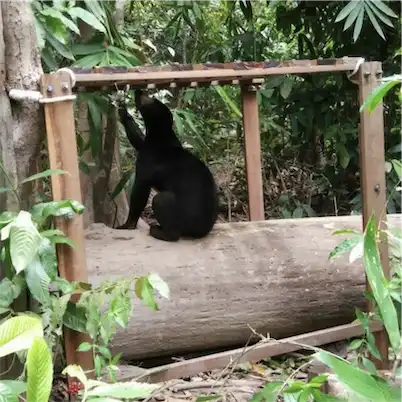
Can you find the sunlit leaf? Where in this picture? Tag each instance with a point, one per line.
(376, 96)
(159, 285)
(17, 333)
(39, 371)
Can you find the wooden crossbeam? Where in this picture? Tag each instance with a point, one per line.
(187, 75)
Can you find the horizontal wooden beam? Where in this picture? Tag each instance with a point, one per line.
(183, 75)
(254, 353)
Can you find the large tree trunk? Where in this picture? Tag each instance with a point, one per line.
(21, 127)
(273, 275)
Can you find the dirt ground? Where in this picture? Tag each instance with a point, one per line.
(236, 383)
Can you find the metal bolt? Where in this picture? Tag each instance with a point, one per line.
(64, 87)
(366, 74)
(49, 89)
(377, 188)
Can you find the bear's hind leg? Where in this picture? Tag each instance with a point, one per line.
(166, 213)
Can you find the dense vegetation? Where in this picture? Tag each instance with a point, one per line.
(310, 150)
(308, 123)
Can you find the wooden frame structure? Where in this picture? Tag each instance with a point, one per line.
(249, 75)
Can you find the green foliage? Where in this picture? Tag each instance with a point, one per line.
(25, 332)
(308, 123)
(101, 324)
(29, 260)
(355, 12)
(39, 371)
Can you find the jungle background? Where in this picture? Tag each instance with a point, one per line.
(308, 123)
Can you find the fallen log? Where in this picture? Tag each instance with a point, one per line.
(272, 275)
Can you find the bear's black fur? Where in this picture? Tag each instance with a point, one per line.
(187, 201)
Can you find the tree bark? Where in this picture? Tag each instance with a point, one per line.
(21, 124)
(21, 129)
(273, 275)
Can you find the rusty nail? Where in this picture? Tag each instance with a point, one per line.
(366, 73)
(64, 87)
(377, 188)
(378, 73)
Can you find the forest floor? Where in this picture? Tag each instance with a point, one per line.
(235, 383)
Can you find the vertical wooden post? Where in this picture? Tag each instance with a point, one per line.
(62, 146)
(252, 152)
(372, 176)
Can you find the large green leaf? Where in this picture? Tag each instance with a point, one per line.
(38, 281)
(39, 371)
(377, 281)
(89, 18)
(18, 333)
(24, 241)
(357, 380)
(375, 96)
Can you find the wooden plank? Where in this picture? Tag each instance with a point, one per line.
(60, 130)
(142, 79)
(253, 353)
(234, 65)
(372, 176)
(252, 148)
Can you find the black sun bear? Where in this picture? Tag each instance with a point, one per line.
(186, 204)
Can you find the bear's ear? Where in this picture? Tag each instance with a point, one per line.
(142, 99)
